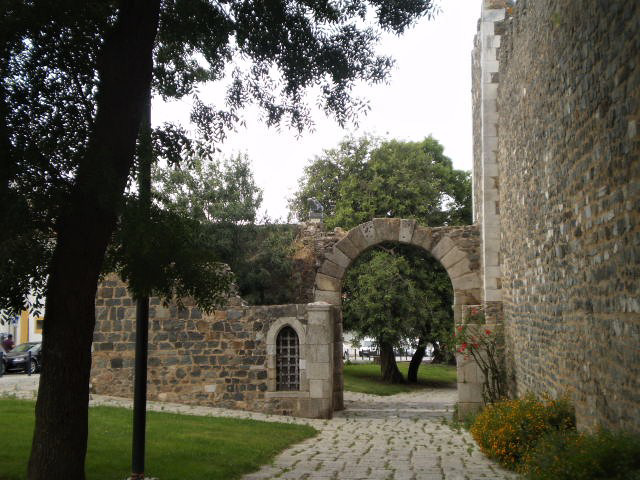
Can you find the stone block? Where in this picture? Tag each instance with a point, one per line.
(406, 230)
(331, 297)
(319, 353)
(470, 373)
(319, 316)
(368, 233)
(318, 335)
(492, 295)
(357, 238)
(319, 389)
(470, 392)
(332, 269)
(318, 371)
(468, 408)
(347, 247)
(387, 229)
(338, 257)
(452, 257)
(443, 247)
(459, 269)
(422, 237)
(325, 282)
(466, 282)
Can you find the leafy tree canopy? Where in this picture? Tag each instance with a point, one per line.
(53, 68)
(200, 215)
(366, 178)
(75, 77)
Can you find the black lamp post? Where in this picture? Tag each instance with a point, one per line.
(145, 157)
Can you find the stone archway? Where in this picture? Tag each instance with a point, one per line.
(456, 248)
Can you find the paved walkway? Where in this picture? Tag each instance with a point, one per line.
(402, 437)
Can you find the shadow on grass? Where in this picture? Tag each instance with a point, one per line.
(179, 447)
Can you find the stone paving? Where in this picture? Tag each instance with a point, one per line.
(402, 437)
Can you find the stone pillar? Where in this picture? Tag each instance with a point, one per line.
(470, 377)
(487, 207)
(320, 359)
(338, 360)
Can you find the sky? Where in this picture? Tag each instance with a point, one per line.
(428, 93)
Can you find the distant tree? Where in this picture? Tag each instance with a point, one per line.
(265, 275)
(223, 199)
(397, 293)
(75, 77)
(366, 178)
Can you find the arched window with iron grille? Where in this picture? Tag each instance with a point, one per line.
(287, 360)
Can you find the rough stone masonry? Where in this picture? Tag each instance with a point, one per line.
(557, 164)
(226, 359)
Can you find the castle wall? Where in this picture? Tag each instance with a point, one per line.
(568, 152)
(226, 359)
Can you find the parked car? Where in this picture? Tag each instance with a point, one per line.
(17, 359)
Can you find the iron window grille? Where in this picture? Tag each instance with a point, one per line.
(287, 360)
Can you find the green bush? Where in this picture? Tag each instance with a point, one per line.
(568, 455)
(508, 430)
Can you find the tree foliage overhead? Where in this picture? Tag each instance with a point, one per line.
(75, 77)
(366, 178)
(216, 203)
(268, 53)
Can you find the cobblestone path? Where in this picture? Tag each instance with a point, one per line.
(402, 437)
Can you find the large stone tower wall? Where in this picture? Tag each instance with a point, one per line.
(568, 162)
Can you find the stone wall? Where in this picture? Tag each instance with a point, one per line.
(569, 173)
(226, 359)
(310, 245)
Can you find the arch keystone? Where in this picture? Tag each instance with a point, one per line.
(387, 229)
(406, 230)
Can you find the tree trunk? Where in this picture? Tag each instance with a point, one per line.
(442, 356)
(84, 229)
(388, 365)
(416, 361)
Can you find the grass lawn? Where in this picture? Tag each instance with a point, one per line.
(179, 447)
(365, 378)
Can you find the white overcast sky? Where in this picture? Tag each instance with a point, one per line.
(429, 93)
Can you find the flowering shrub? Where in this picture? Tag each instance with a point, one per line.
(509, 430)
(569, 455)
(484, 345)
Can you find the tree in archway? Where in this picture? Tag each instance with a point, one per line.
(396, 293)
(366, 178)
(74, 80)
